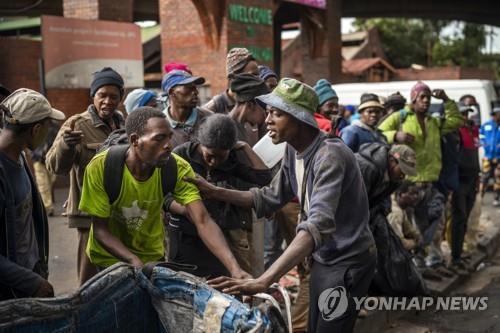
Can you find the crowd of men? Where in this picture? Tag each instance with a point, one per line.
(179, 181)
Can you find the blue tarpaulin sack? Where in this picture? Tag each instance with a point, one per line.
(185, 304)
(124, 299)
(112, 301)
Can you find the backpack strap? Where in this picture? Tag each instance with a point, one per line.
(117, 137)
(402, 118)
(169, 176)
(113, 171)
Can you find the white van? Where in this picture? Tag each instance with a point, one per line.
(483, 90)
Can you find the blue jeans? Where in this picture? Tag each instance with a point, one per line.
(110, 302)
(122, 299)
(184, 304)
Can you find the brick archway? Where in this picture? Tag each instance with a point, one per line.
(211, 15)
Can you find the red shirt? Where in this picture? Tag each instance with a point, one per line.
(324, 123)
(469, 136)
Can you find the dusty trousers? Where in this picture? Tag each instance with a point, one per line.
(355, 275)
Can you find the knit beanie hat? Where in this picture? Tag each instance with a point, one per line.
(104, 77)
(247, 87)
(417, 89)
(137, 98)
(266, 72)
(237, 59)
(395, 100)
(176, 65)
(324, 90)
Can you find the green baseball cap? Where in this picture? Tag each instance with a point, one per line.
(26, 106)
(295, 98)
(406, 157)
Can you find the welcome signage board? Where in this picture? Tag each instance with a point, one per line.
(312, 3)
(73, 49)
(252, 27)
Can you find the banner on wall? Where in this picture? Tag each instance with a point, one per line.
(73, 49)
(311, 3)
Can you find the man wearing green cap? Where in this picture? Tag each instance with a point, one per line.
(24, 243)
(324, 175)
(383, 167)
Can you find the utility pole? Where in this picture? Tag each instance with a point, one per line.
(334, 40)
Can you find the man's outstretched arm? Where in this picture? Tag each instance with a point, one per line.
(209, 191)
(112, 244)
(264, 200)
(301, 246)
(213, 238)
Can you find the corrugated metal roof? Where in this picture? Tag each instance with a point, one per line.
(20, 23)
(150, 32)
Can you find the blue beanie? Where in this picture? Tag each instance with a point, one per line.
(137, 98)
(324, 90)
(266, 72)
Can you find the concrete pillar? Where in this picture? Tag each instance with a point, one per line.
(99, 10)
(277, 48)
(334, 40)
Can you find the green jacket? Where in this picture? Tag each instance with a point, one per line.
(427, 149)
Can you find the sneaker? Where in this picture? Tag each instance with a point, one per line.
(496, 203)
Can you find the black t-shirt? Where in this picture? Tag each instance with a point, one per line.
(227, 175)
(19, 183)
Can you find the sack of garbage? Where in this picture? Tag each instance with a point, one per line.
(109, 302)
(396, 273)
(185, 304)
(124, 299)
